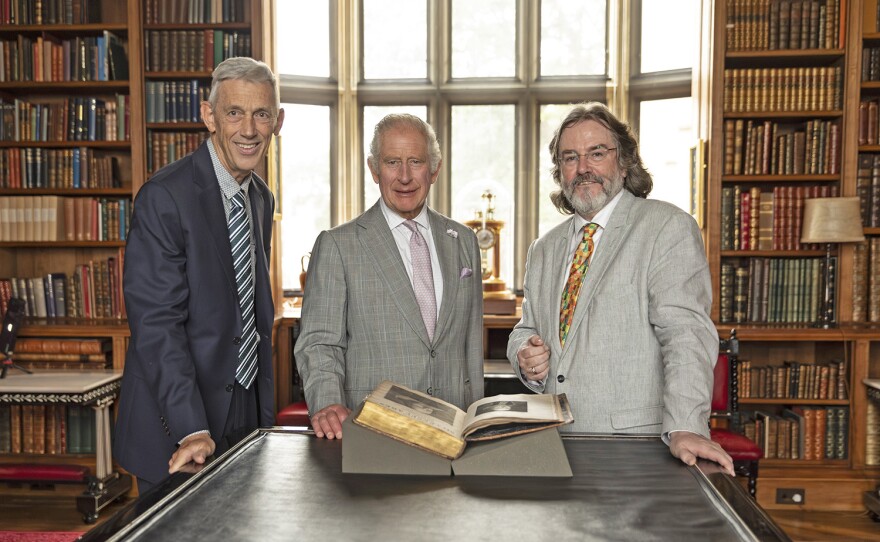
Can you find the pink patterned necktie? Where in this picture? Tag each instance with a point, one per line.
(575, 278)
(423, 277)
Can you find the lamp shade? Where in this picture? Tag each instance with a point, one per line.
(832, 220)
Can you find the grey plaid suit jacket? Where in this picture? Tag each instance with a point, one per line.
(641, 349)
(361, 323)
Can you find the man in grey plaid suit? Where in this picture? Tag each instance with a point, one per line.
(378, 306)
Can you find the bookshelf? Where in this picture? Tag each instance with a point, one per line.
(784, 113)
(39, 119)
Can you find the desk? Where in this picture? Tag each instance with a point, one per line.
(97, 389)
(280, 484)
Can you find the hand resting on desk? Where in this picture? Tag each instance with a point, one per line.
(689, 446)
(327, 422)
(192, 454)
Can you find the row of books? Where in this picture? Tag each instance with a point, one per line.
(62, 354)
(60, 218)
(869, 120)
(47, 429)
(66, 119)
(192, 50)
(755, 219)
(871, 64)
(783, 89)
(175, 101)
(754, 147)
(46, 58)
(872, 426)
(773, 290)
(866, 281)
(804, 433)
(783, 24)
(193, 11)
(166, 147)
(868, 189)
(793, 380)
(93, 290)
(40, 167)
(49, 12)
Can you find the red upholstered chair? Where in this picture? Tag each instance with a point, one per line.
(725, 403)
(294, 414)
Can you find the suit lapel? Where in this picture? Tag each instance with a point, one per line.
(448, 255)
(612, 238)
(558, 280)
(211, 207)
(377, 241)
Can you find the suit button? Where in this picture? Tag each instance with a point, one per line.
(236, 341)
(433, 353)
(229, 388)
(560, 379)
(430, 391)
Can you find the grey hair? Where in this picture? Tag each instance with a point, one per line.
(395, 120)
(243, 68)
(638, 181)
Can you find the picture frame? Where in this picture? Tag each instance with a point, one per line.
(698, 181)
(273, 173)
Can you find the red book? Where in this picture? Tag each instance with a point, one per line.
(745, 214)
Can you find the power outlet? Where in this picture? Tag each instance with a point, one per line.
(788, 495)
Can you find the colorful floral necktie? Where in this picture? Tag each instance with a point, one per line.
(575, 278)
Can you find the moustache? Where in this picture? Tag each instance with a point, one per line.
(587, 178)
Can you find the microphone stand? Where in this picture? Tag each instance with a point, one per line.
(8, 362)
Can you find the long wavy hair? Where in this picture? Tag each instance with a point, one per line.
(638, 181)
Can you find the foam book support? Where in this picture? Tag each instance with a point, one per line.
(541, 453)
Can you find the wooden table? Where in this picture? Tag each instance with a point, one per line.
(97, 389)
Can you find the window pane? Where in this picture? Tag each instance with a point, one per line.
(372, 115)
(666, 136)
(481, 163)
(566, 48)
(395, 39)
(548, 215)
(662, 47)
(300, 27)
(305, 185)
(483, 38)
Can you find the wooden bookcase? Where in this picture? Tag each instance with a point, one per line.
(741, 45)
(132, 22)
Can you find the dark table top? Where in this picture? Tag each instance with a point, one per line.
(286, 485)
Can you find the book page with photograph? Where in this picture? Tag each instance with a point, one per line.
(434, 412)
(520, 408)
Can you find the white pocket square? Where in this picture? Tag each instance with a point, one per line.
(466, 272)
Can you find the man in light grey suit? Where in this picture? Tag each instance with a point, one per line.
(616, 300)
(378, 307)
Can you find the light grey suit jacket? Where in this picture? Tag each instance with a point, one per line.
(361, 322)
(641, 348)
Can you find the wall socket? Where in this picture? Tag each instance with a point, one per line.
(790, 495)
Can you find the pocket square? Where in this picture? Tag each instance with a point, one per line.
(466, 272)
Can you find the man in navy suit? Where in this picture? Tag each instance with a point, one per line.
(182, 399)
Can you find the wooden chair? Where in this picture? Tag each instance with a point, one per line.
(725, 403)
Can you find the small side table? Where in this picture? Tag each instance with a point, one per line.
(97, 389)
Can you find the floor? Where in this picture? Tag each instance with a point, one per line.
(59, 514)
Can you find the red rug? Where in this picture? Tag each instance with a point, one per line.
(52, 536)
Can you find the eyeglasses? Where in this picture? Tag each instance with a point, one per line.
(571, 159)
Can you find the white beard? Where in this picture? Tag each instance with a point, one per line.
(584, 202)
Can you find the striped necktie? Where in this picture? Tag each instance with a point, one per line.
(423, 277)
(575, 277)
(240, 239)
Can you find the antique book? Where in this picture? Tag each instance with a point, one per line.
(436, 426)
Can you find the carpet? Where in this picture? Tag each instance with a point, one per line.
(51, 536)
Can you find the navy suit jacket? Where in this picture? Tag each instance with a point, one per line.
(184, 315)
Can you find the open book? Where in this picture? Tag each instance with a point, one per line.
(442, 428)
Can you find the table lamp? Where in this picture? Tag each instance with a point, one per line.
(831, 221)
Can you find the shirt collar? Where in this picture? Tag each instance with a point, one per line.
(394, 220)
